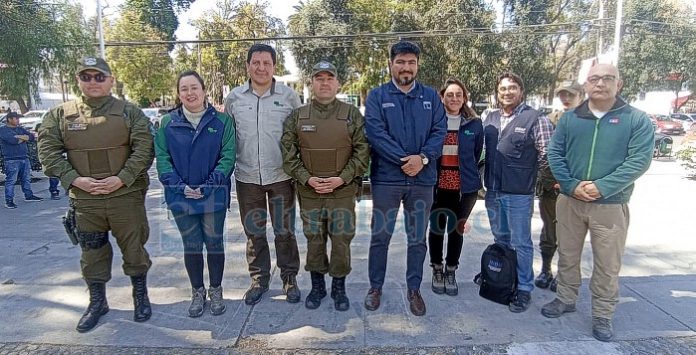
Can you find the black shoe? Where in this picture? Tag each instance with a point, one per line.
(338, 293)
(97, 307)
(554, 285)
(254, 293)
(521, 302)
(438, 283)
(451, 287)
(33, 198)
(10, 204)
(55, 195)
(290, 289)
(544, 279)
(142, 310)
(318, 292)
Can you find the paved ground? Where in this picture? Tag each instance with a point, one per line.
(42, 295)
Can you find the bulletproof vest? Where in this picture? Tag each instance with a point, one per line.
(99, 146)
(325, 143)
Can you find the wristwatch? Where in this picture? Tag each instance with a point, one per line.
(424, 158)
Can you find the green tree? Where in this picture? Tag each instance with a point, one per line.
(321, 18)
(659, 47)
(37, 40)
(160, 14)
(145, 71)
(225, 62)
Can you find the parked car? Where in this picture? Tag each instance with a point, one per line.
(155, 115)
(687, 120)
(32, 119)
(666, 125)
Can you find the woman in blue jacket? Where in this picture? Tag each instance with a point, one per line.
(195, 148)
(458, 182)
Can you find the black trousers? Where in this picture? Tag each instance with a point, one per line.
(448, 217)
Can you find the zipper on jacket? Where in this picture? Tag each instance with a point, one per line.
(592, 149)
(258, 137)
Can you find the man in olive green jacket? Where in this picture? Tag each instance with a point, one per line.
(326, 152)
(109, 149)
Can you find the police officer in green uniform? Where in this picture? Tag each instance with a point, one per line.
(109, 149)
(326, 152)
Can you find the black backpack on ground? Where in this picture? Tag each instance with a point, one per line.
(498, 277)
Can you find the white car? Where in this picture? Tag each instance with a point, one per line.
(155, 115)
(32, 119)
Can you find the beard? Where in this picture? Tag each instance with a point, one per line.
(407, 80)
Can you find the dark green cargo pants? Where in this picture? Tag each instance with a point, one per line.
(125, 217)
(322, 219)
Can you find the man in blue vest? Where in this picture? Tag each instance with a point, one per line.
(516, 137)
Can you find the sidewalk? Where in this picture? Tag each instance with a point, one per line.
(42, 293)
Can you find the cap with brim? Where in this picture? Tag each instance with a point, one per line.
(14, 115)
(323, 66)
(571, 87)
(94, 63)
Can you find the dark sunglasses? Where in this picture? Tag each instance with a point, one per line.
(100, 78)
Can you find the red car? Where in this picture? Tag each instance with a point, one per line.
(666, 125)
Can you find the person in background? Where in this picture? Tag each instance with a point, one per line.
(13, 139)
(195, 148)
(457, 186)
(571, 95)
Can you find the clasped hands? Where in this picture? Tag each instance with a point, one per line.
(325, 185)
(413, 164)
(586, 191)
(98, 186)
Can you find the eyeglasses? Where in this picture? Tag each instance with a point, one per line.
(86, 78)
(511, 88)
(604, 78)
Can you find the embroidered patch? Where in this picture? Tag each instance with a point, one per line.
(388, 104)
(614, 120)
(520, 130)
(212, 130)
(427, 105)
(468, 132)
(90, 61)
(309, 128)
(278, 103)
(77, 126)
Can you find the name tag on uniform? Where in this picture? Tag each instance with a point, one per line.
(309, 128)
(77, 126)
(520, 130)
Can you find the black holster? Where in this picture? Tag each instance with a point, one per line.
(70, 224)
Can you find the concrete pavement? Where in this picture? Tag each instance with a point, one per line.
(42, 294)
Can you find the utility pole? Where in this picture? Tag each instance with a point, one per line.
(600, 45)
(100, 29)
(199, 52)
(617, 32)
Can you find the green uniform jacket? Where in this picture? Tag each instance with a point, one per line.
(354, 169)
(134, 173)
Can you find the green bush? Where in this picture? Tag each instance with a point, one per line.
(687, 157)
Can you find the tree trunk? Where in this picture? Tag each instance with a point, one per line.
(23, 108)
